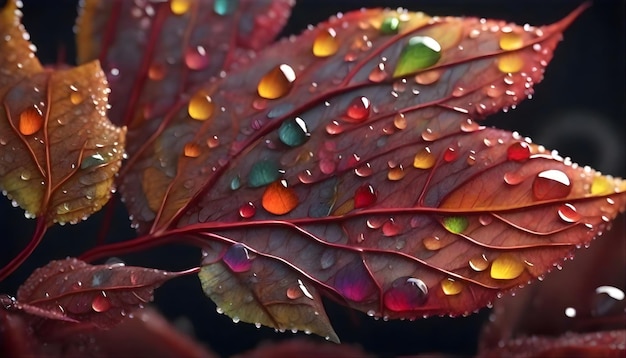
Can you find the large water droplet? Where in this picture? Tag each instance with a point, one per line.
(92, 161)
(325, 43)
(405, 294)
(419, 53)
(238, 258)
(551, 184)
(196, 58)
(450, 287)
(567, 212)
(358, 110)
(201, 106)
(293, 132)
(279, 199)
(263, 173)
(180, 7)
(518, 151)
(506, 267)
(424, 159)
(225, 7)
(390, 26)
(101, 302)
(31, 121)
(455, 224)
(277, 82)
(364, 196)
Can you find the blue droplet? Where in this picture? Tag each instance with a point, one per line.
(293, 132)
(263, 173)
(225, 7)
(235, 183)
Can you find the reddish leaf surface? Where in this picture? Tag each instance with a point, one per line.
(58, 151)
(352, 161)
(100, 295)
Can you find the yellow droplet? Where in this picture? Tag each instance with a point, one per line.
(179, 7)
(76, 97)
(506, 267)
(31, 121)
(510, 63)
(601, 186)
(277, 82)
(278, 199)
(325, 43)
(479, 263)
(511, 41)
(424, 159)
(201, 106)
(451, 287)
(192, 150)
(396, 173)
(432, 243)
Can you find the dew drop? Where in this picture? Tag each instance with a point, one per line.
(247, 210)
(432, 243)
(76, 97)
(428, 77)
(450, 155)
(518, 151)
(551, 184)
(354, 282)
(601, 186)
(201, 106)
(419, 53)
(455, 224)
(378, 74)
(101, 303)
(511, 41)
(31, 121)
(225, 7)
(325, 43)
(293, 293)
(396, 173)
(513, 178)
(567, 212)
(429, 135)
(235, 183)
(192, 150)
(510, 63)
(196, 58)
(238, 258)
(334, 128)
(293, 132)
(278, 199)
(390, 26)
(263, 173)
(390, 228)
(399, 121)
(450, 287)
(405, 294)
(213, 142)
(479, 263)
(506, 267)
(364, 171)
(364, 196)
(277, 82)
(327, 166)
(156, 71)
(424, 159)
(570, 312)
(180, 7)
(358, 110)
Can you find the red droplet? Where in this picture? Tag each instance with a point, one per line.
(238, 258)
(358, 110)
(450, 155)
(390, 228)
(354, 282)
(551, 184)
(247, 210)
(518, 151)
(567, 212)
(364, 196)
(405, 294)
(101, 303)
(196, 58)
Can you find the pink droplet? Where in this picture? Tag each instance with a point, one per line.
(196, 58)
(354, 282)
(101, 303)
(406, 294)
(327, 166)
(390, 228)
(238, 258)
(358, 110)
(518, 151)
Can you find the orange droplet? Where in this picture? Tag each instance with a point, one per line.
(278, 199)
(76, 98)
(396, 173)
(277, 82)
(192, 150)
(325, 43)
(31, 121)
(424, 159)
(450, 287)
(428, 77)
(201, 106)
(179, 7)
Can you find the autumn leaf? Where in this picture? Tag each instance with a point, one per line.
(58, 151)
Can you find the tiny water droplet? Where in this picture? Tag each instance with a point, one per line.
(450, 155)
(396, 173)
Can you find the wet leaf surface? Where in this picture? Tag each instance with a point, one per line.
(58, 151)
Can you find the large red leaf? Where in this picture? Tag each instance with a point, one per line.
(344, 160)
(58, 151)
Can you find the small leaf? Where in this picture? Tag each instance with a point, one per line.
(100, 295)
(58, 151)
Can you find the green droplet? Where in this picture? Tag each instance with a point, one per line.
(92, 161)
(235, 183)
(455, 224)
(263, 173)
(293, 132)
(390, 26)
(421, 52)
(225, 7)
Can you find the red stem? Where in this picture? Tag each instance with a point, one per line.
(125, 247)
(40, 231)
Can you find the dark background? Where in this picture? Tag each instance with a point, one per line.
(578, 109)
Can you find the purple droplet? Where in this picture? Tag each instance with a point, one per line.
(354, 282)
(238, 258)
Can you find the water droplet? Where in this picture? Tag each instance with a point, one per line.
(180, 7)
(364, 196)
(605, 300)
(518, 151)
(567, 212)
(354, 282)
(450, 287)
(358, 110)
(455, 224)
(277, 82)
(192, 150)
(31, 120)
(201, 106)
(325, 43)
(510, 63)
(506, 267)
(378, 74)
(511, 41)
(419, 53)
(396, 173)
(92, 161)
(263, 173)
(247, 210)
(101, 303)
(432, 243)
(450, 155)
(479, 263)
(76, 97)
(225, 7)
(196, 58)
(156, 71)
(293, 132)
(429, 135)
(551, 184)
(428, 77)
(424, 159)
(213, 142)
(334, 128)
(278, 199)
(293, 293)
(390, 26)
(405, 294)
(238, 258)
(235, 183)
(399, 121)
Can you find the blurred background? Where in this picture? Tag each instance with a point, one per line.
(579, 109)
